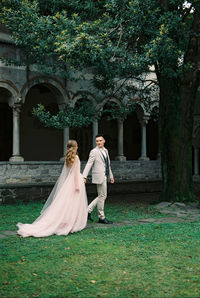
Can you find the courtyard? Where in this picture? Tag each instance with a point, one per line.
(151, 250)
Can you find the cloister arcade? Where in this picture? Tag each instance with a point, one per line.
(25, 138)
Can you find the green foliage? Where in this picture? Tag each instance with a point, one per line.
(114, 39)
(116, 111)
(78, 116)
(118, 39)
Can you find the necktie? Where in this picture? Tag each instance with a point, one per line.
(106, 162)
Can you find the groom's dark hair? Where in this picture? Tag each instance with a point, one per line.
(99, 135)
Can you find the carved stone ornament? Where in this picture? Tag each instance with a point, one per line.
(17, 106)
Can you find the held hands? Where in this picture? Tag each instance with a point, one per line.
(112, 180)
(84, 179)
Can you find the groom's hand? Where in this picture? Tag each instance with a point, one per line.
(112, 180)
(84, 179)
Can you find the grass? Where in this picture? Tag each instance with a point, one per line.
(148, 260)
(117, 208)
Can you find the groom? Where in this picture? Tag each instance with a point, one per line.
(99, 161)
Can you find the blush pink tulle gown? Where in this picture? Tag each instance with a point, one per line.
(65, 211)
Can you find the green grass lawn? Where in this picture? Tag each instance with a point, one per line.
(147, 260)
(118, 208)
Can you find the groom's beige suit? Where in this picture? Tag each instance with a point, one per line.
(96, 161)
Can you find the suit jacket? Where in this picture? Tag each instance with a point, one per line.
(97, 163)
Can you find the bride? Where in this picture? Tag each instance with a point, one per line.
(65, 210)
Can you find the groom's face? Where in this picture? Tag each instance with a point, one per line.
(100, 141)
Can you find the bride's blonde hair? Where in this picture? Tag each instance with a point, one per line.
(71, 152)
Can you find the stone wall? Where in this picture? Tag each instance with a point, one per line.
(34, 180)
(47, 172)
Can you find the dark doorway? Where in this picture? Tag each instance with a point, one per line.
(109, 129)
(132, 137)
(152, 139)
(5, 132)
(37, 141)
(83, 136)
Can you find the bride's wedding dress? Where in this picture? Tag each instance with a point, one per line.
(65, 211)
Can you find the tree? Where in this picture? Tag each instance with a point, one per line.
(122, 41)
(78, 116)
(115, 111)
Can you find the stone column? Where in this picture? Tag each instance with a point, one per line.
(16, 157)
(120, 140)
(143, 122)
(94, 132)
(65, 140)
(196, 161)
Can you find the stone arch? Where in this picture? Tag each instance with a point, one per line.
(109, 128)
(55, 86)
(82, 94)
(82, 135)
(47, 142)
(14, 92)
(106, 100)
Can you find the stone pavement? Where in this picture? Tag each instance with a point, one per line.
(174, 213)
(179, 212)
(3, 234)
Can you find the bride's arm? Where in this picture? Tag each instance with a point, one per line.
(76, 174)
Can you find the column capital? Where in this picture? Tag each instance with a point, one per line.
(17, 105)
(120, 120)
(144, 120)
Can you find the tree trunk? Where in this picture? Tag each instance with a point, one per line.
(176, 119)
(177, 98)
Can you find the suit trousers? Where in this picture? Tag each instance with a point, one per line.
(99, 201)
